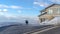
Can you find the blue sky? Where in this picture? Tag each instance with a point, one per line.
(24, 7)
(19, 7)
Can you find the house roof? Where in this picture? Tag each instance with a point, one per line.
(42, 14)
(49, 7)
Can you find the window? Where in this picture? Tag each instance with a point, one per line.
(58, 10)
(50, 11)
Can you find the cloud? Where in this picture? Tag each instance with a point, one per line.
(11, 6)
(55, 1)
(1, 13)
(7, 15)
(5, 10)
(19, 11)
(45, 3)
(0, 10)
(15, 7)
(42, 4)
(36, 3)
(3, 6)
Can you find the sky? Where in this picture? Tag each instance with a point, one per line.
(18, 7)
(23, 8)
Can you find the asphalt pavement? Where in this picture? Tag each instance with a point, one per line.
(21, 29)
(52, 30)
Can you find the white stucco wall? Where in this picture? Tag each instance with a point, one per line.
(55, 21)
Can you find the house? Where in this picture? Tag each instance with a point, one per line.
(49, 12)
